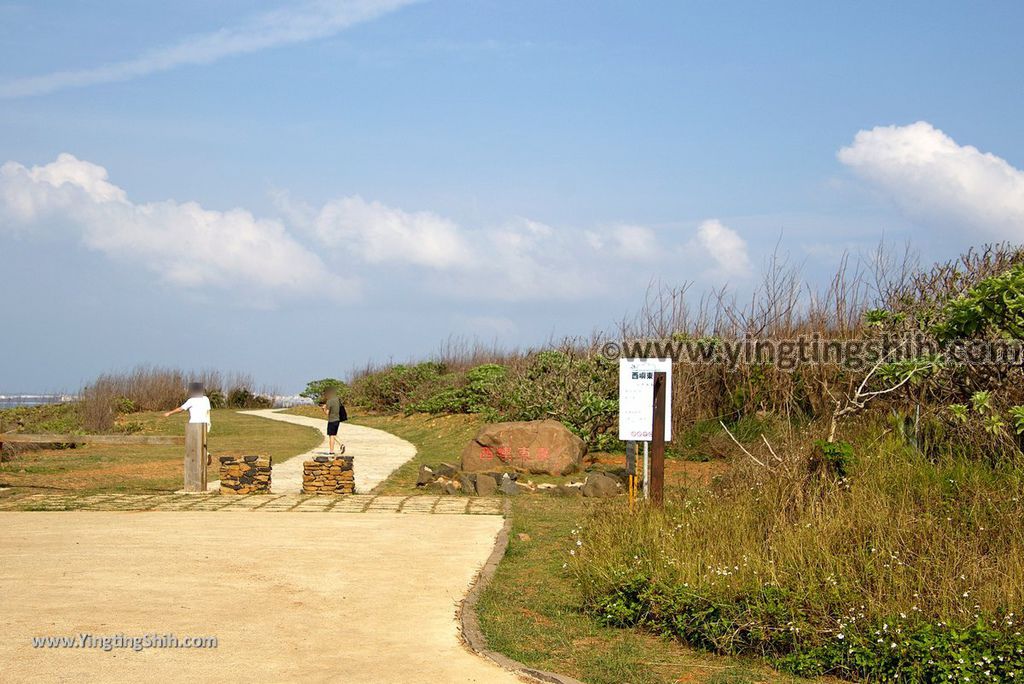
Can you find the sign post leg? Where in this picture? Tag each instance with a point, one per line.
(658, 442)
(647, 472)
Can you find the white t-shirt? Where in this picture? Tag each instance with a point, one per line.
(198, 409)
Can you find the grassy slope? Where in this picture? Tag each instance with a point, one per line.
(103, 468)
(529, 612)
(437, 439)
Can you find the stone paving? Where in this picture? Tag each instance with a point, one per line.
(355, 503)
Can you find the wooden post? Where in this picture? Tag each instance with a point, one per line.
(658, 442)
(195, 457)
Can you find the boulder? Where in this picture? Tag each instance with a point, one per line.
(508, 486)
(467, 482)
(539, 446)
(446, 470)
(563, 490)
(600, 485)
(425, 476)
(486, 485)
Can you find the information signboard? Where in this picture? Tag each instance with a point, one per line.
(636, 398)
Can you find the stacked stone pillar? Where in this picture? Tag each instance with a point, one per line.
(328, 475)
(245, 474)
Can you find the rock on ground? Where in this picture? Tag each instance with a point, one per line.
(540, 446)
(600, 485)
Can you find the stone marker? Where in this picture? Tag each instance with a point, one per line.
(539, 446)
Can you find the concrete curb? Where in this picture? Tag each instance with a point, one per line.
(470, 623)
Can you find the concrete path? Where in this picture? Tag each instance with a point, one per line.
(376, 453)
(290, 597)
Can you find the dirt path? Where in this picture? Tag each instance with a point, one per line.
(290, 596)
(376, 453)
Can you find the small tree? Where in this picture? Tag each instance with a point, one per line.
(316, 389)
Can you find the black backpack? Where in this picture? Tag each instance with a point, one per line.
(342, 413)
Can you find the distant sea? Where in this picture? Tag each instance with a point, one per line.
(15, 400)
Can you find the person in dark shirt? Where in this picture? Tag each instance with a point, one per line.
(335, 412)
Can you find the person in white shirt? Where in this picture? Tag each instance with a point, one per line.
(198, 407)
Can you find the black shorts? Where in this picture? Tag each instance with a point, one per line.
(332, 427)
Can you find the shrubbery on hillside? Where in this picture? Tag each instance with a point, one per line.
(577, 388)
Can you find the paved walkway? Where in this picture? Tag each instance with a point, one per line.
(376, 453)
(289, 597)
(262, 503)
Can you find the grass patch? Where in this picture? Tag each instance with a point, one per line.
(437, 439)
(532, 612)
(903, 569)
(49, 418)
(95, 468)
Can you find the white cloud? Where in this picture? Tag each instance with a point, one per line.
(183, 243)
(288, 25)
(636, 243)
(520, 260)
(931, 177)
(378, 233)
(725, 247)
(529, 260)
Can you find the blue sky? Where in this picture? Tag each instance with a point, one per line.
(295, 188)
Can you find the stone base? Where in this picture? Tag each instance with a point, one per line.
(328, 475)
(245, 474)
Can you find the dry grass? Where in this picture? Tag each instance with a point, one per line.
(901, 541)
(153, 388)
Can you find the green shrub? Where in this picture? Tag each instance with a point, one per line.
(48, 418)
(482, 382)
(217, 399)
(244, 398)
(994, 306)
(768, 622)
(448, 400)
(836, 457)
(124, 405)
(474, 392)
(398, 387)
(317, 389)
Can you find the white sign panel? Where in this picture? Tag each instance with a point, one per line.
(636, 398)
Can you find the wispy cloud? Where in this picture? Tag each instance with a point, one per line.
(284, 26)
